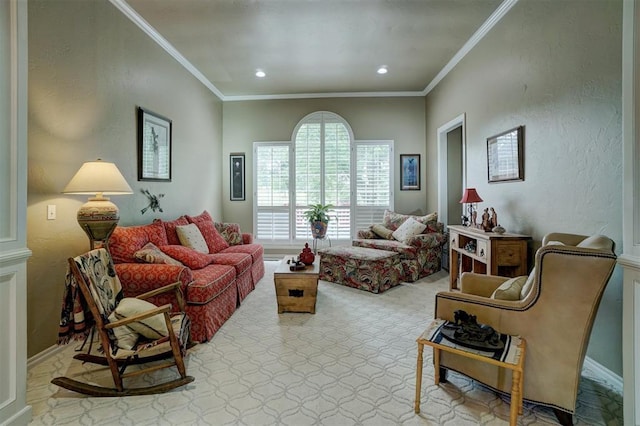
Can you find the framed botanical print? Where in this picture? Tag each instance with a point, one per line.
(154, 146)
(236, 167)
(409, 172)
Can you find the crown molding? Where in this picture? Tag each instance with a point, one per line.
(484, 29)
(128, 11)
(495, 17)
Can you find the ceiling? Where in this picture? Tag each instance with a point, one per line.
(317, 48)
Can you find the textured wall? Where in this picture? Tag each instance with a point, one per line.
(89, 68)
(554, 67)
(398, 119)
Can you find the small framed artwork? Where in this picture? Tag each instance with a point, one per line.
(409, 172)
(236, 167)
(154, 146)
(505, 160)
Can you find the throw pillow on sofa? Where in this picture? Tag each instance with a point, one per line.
(150, 253)
(190, 236)
(214, 240)
(170, 229)
(191, 258)
(408, 229)
(230, 232)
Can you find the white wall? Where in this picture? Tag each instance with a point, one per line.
(555, 68)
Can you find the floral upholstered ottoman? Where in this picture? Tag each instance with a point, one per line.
(360, 267)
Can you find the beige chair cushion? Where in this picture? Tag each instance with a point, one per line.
(126, 337)
(190, 236)
(597, 242)
(510, 289)
(153, 327)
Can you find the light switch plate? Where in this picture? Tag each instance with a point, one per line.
(51, 212)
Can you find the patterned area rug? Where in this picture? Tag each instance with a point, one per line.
(352, 363)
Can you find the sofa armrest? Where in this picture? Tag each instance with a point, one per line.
(427, 241)
(480, 284)
(247, 238)
(139, 278)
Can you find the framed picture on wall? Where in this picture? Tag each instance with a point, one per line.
(154, 146)
(409, 172)
(236, 167)
(505, 160)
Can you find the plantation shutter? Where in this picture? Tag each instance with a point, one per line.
(373, 183)
(337, 178)
(272, 191)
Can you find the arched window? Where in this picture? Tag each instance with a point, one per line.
(321, 164)
(322, 151)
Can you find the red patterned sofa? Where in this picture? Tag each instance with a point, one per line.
(214, 280)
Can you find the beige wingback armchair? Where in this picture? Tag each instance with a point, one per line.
(554, 311)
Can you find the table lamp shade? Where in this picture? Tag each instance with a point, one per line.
(99, 216)
(470, 196)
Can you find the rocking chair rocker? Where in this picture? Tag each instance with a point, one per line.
(131, 330)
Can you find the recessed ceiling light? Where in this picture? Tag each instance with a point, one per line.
(260, 74)
(382, 70)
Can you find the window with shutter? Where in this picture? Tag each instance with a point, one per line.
(327, 167)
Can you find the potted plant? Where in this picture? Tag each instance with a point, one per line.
(318, 217)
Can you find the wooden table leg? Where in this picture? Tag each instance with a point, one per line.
(516, 397)
(418, 378)
(436, 365)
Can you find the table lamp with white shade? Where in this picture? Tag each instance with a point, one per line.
(98, 217)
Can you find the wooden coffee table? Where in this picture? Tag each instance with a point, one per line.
(296, 290)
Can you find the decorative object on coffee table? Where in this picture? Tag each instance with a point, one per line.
(306, 256)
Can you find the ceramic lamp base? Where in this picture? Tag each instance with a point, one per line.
(98, 218)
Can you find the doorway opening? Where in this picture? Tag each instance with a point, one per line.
(451, 170)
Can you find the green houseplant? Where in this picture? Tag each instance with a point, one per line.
(318, 216)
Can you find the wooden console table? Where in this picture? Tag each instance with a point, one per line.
(473, 250)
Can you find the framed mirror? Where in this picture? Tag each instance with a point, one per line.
(505, 160)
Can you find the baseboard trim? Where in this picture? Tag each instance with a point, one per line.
(605, 373)
(41, 356)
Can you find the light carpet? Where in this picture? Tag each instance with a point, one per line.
(352, 363)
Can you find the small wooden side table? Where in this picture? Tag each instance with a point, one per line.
(517, 368)
(296, 291)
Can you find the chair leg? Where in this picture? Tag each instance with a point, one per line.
(564, 418)
(443, 375)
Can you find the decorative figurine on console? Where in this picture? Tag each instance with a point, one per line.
(466, 331)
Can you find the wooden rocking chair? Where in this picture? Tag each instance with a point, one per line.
(131, 330)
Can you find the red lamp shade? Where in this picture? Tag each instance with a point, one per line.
(470, 196)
